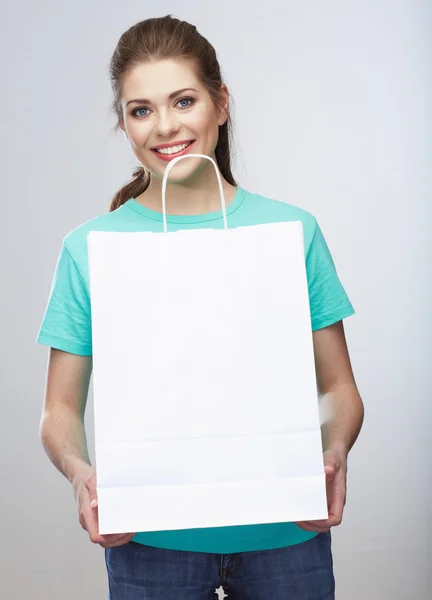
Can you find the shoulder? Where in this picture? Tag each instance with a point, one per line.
(75, 241)
(271, 210)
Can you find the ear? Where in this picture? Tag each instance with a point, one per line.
(223, 113)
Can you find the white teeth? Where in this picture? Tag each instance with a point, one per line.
(173, 149)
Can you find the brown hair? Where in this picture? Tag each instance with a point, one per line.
(157, 39)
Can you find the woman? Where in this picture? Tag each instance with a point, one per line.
(169, 100)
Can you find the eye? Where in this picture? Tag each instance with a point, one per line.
(135, 111)
(187, 102)
(190, 100)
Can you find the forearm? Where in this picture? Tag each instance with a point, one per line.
(344, 412)
(64, 440)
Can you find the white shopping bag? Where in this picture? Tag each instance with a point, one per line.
(205, 398)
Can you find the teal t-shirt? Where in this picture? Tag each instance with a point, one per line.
(67, 326)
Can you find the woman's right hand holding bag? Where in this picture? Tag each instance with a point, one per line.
(84, 486)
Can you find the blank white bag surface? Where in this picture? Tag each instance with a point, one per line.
(205, 396)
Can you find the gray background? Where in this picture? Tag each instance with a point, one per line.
(332, 113)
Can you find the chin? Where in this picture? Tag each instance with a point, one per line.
(180, 178)
(182, 171)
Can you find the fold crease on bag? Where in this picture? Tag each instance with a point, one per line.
(231, 503)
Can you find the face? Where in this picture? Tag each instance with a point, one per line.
(167, 113)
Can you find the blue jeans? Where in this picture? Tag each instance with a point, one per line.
(300, 572)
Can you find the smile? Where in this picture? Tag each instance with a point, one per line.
(170, 152)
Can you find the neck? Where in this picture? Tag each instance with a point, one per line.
(195, 197)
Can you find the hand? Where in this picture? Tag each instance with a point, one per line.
(85, 494)
(335, 466)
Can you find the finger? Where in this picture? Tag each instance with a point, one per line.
(330, 472)
(315, 526)
(307, 527)
(331, 469)
(337, 499)
(90, 517)
(335, 510)
(120, 540)
(332, 465)
(325, 524)
(108, 540)
(93, 532)
(91, 485)
(320, 525)
(312, 529)
(93, 498)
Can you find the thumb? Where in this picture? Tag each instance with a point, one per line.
(330, 472)
(91, 486)
(331, 467)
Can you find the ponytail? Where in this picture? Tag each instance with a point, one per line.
(138, 184)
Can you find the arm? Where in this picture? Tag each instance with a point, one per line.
(63, 436)
(343, 408)
(62, 430)
(339, 394)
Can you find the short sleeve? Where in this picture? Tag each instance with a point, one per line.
(66, 324)
(328, 300)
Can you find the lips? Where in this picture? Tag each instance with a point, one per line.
(167, 157)
(172, 144)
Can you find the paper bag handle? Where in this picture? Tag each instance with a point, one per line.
(164, 184)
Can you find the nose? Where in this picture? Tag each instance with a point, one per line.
(166, 124)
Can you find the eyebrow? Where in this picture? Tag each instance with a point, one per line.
(170, 97)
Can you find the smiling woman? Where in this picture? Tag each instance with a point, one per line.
(162, 123)
(170, 100)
